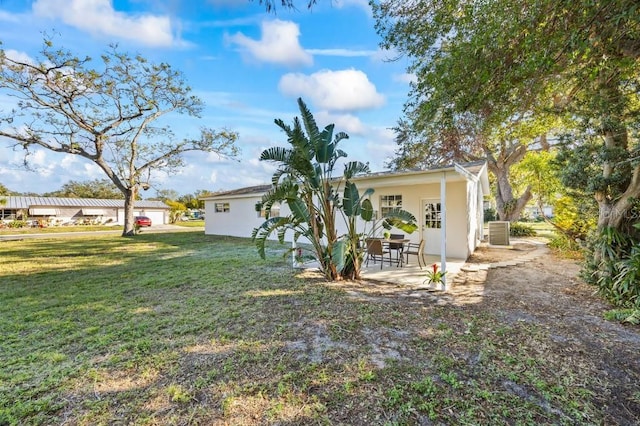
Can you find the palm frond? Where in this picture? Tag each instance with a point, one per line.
(354, 168)
(261, 234)
(400, 219)
(275, 153)
(340, 136)
(309, 122)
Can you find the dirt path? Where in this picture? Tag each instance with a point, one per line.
(547, 296)
(549, 292)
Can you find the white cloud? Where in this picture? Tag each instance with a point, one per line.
(386, 55)
(381, 144)
(362, 4)
(213, 177)
(347, 123)
(100, 18)
(18, 56)
(344, 90)
(279, 44)
(405, 78)
(8, 17)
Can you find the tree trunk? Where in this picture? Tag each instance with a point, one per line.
(613, 209)
(129, 204)
(508, 207)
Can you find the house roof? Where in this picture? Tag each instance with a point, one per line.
(258, 189)
(474, 168)
(15, 202)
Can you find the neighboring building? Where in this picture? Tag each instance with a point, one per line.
(460, 188)
(62, 211)
(533, 212)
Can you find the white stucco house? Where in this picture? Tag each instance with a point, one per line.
(447, 203)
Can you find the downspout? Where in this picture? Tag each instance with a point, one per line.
(443, 228)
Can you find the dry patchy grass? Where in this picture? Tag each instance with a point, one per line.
(192, 329)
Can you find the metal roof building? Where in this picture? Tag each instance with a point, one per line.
(72, 210)
(18, 202)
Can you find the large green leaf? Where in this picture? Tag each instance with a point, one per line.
(351, 200)
(275, 153)
(400, 219)
(339, 254)
(309, 122)
(324, 146)
(366, 212)
(299, 209)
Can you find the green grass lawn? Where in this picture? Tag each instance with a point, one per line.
(191, 223)
(187, 328)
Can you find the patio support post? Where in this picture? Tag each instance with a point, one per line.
(293, 254)
(443, 229)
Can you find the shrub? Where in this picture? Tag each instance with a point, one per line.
(521, 230)
(489, 214)
(614, 268)
(573, 219)
(17, 224)
(566, 246)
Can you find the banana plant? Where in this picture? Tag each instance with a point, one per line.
(304, 180)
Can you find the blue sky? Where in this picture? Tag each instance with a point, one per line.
(248, 66)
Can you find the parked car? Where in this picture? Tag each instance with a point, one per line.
(142, 221)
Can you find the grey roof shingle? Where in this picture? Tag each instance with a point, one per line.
(18, 202)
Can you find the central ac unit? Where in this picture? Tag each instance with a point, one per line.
(499, 233)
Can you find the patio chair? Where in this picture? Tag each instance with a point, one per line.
(375, 251)
(417, 250)
(398, 247)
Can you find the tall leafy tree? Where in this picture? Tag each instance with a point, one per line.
(4, 190)
(167, 195)
(97, 188)
(503, 59)
(305, 181)
(109, 114)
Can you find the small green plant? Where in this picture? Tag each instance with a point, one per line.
(17, 224)
(364, 373)
(631, 316)
(434, 275)
(178, 394)
(518, 229)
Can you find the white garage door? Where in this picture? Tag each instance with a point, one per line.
(157, 217)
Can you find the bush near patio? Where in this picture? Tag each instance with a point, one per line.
(188, 328)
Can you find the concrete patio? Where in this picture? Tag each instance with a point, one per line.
(411, 277)
(410, 274)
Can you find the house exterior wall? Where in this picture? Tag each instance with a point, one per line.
(456, 218)
(242, 218)
(464, 208)
(239, 221)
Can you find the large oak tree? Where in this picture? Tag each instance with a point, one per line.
(109, 114)
(501, 59)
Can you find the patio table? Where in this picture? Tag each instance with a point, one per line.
(401, 241)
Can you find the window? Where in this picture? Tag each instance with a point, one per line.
(433, 215)
(389, 203)
(222, 207)
(275, 211)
